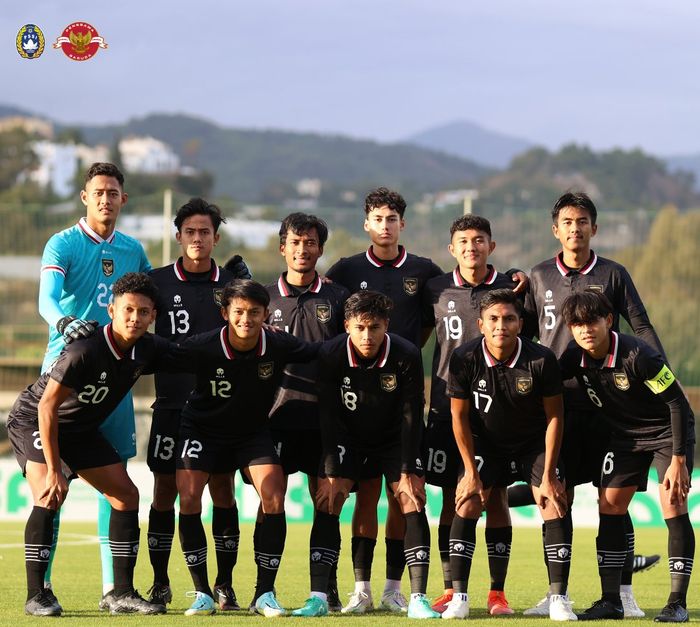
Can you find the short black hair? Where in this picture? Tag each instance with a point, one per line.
(384, 196)
(246, 289)
(199, 207)
(300, 223)
(135, 283)
(368, 304)
(578, 200)
(586, 307)
(502, 296)
(467, 222)
(104, 169)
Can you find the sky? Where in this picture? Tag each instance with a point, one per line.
(601, 73)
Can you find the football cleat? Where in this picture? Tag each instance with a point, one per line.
(359, 603)
(644, 562)
(133, 603)
(106, 601)
(672, 613)
(497, 604)
(334, 604)
(630, 607)
(458, 607)
(603, 610)
(440, 604)
(160, 593)
(48, 590)
(560, 608)
(43, 604)
(419, 607)
(313, 606)
(267, 605)
(541, 609)
(226, 598)
(393, 601)
(202, 605)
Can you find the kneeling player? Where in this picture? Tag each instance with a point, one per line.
(56, 422)
(651, 424)
(512, 388)
(371, 398)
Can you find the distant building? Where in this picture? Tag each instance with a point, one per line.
(33, 126)
(309, 187)
(147, 155)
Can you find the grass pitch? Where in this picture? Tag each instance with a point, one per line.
(77, 579)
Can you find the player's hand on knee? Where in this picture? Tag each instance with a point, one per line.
(72, 328)
(552, 492)
(413, 487)
(55, 490)
(677, 480)
(468, 487)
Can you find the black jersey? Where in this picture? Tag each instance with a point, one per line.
(188, 303)
(99, 375)
(313, 314)
(234, 391)
(371, 406)
(402, 280)
(505, 397)
(636, 391)
(451, 305)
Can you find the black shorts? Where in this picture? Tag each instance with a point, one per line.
(440, 454)
(299, 450)
(586, 441)
(361, 464)
(499, 468)
(622, 468)
(78, 451)
(162, 440)
(217, 455)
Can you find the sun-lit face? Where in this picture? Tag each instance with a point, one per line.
(471, 248)
(131, 315)
(593, 337)
(574, 229)
(301, 251)
(197, 237)
(245, 317)
(103, 197)
(500, 325)
(367, 334)
(384, 226)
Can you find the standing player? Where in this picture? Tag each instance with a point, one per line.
(451, 303)
(508, 390)
(577, 268)
(371, 406)
(650, 424)
(78, 269)
(56, 422)
(308, 308)
(189, 302)
(225, 426)
(388, 268)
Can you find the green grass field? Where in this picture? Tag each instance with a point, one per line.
(78, 585)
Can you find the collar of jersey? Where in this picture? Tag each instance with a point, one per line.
(379, 263)
(379, 362)
(491, 361)
(610, 359)
(91, 235)
(283, 286)
(565, 271)
(489, 280)
(228, 349)
(179, 270)
(112, 344)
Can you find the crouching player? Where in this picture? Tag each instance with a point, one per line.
(651, 424)
(371, 400)
(512, 389)
(55, 424)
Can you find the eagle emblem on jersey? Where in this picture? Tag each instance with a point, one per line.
(410, 285)
(108, 267)
(323, 313)
(388, 382)
(218, 293)
(621, 381)
(523, 385)
(265, 370)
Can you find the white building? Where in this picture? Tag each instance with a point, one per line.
(148, 155)
(59, 164)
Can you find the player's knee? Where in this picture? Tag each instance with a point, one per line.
(273, 502)
(164, 492)
(126, 496)
(221, 490)
(472, 508)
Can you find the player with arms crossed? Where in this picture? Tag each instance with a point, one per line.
(651, 424)
(56, 422)
(371, 409)
(507, 391)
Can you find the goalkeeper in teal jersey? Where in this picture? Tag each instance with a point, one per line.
(78, 268)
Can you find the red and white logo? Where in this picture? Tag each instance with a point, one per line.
(80, 41)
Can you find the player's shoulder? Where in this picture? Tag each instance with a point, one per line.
(334, 346)
(536, 350)
(469, 349)
(544, 267)
(127, 240)
(441, 281)
(400, 346)
(572, 353)
(205, 338)
(164, 273)
(66, 238)
(423, 263)
(610, 265)
(334, 290)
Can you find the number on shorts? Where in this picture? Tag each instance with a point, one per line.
(37, 441)
(479, 462)
(349, 399)
(608, 463)
(437, 461)
(594, 397)
(164, 447)
(191, 448)
(341, 452)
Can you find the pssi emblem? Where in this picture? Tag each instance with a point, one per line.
(80, 41)
(265, 370)
(523, 385)
(621, 381)
(218, 296)
(388, 382)
(108, 267)
(30, 41)
(323, 313)
(410, 285)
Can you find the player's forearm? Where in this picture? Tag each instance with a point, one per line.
(48, 434)
(50, 287)
(465, 441)
(679, 411)
(554, 410)
(411, 435)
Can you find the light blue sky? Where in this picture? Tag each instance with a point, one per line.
(606, 73)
